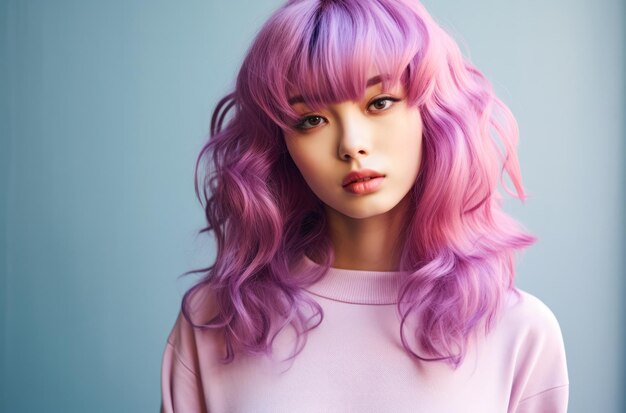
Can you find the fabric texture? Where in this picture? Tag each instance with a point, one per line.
(354, 361)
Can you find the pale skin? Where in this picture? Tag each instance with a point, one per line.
(375, 133)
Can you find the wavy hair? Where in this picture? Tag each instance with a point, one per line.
(459, 247)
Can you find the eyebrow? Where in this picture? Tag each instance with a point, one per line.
(371, 82)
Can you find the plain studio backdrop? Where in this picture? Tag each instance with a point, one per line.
(104, 107)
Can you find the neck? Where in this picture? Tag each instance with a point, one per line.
(372, 244)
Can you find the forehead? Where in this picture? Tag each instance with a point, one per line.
(299, 98)
(377, 81)
(331, 53)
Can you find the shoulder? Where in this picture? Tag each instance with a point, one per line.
(536, 350)
(523, 307)
(188, 334)
(529, 329)
(183, 365)
(528, 316)
(526, 329)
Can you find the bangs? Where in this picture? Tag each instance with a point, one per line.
(334, 48)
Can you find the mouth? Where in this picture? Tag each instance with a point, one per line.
(364, 186)
(361, 180)
(361, 176)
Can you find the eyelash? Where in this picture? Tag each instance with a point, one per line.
(301, 122)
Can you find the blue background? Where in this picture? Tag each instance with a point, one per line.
(105, 105)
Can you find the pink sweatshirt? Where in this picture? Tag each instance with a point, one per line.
(354, 362)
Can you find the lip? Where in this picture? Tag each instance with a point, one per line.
(363, 173)
(354, 183)
(364, 187)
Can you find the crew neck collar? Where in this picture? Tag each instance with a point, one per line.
(356, 286)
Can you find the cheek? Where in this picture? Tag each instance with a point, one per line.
(405, 143)
(415, 143)
(297, 154)
(306, 158)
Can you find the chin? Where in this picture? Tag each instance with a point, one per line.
(364, 212)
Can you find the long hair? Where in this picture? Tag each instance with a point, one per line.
(460, 246)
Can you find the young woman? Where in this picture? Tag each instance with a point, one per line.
(364, 263)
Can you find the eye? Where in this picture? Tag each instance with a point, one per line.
(383, 103)
(309, 122)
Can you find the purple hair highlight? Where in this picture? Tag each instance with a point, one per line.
(460, 246)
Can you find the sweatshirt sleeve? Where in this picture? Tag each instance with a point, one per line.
(551, 400)
(181, 387)
(541, 383)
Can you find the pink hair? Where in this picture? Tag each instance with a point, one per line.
(460, 246)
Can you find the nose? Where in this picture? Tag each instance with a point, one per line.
(354, 139)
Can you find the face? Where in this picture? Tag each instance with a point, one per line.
(360, 158)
